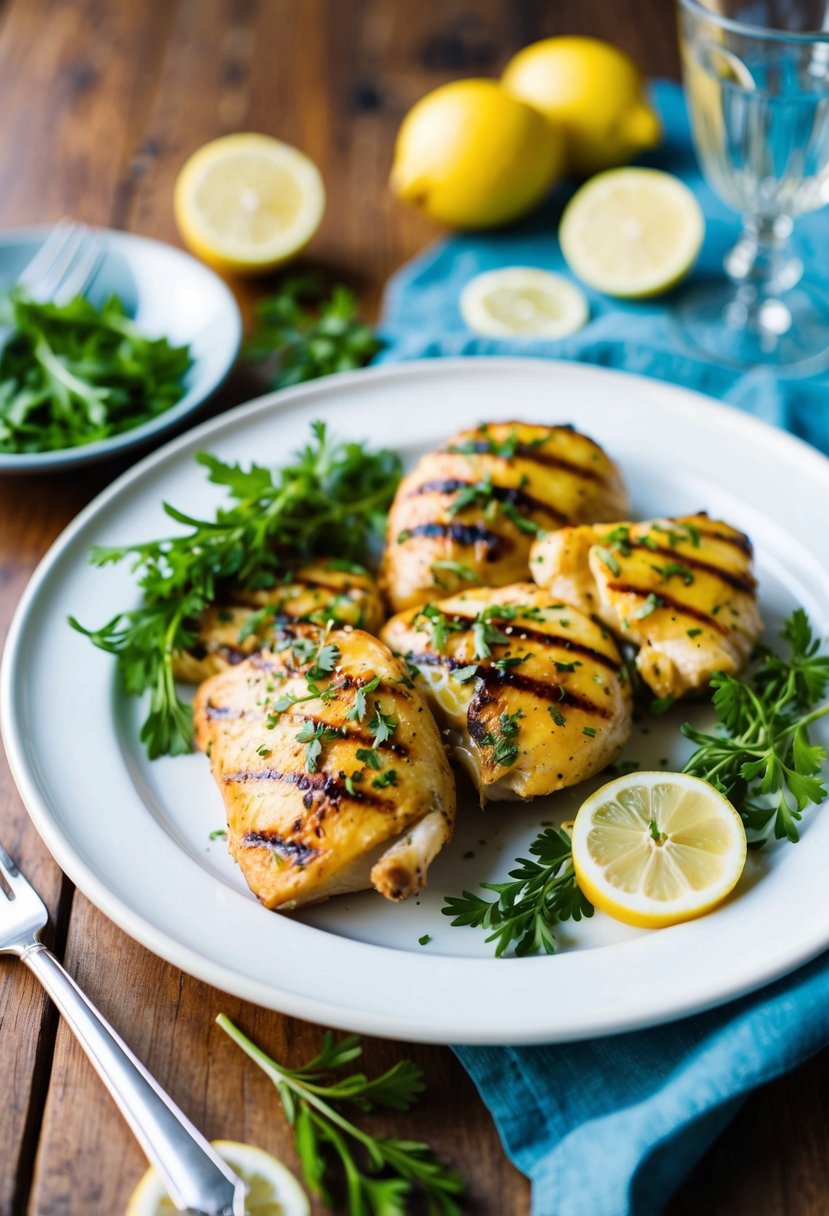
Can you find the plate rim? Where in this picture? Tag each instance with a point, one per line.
(103, 449)
(333, 1011)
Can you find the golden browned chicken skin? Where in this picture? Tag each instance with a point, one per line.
(533, 693)
(682, 590)
(319, 591)
(327, 793)
(468, 513)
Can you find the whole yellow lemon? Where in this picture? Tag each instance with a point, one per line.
(593, 92)
(472, 156)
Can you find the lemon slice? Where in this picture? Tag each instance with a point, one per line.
(272, 1188)
(632, 232)
(654, 849)
(522, 302)
(247, 203)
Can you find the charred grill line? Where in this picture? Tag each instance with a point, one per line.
(355, 734)
(525, 633)
(464, 534)
(291, 850)
(320, 783)
(746, 584)
(555, 694)
(511, 494)
(483, 447)
(738, 539)
(668, 601)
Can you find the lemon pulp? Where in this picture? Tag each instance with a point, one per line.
(654, 849)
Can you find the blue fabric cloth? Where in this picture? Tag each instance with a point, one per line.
(611, 1126)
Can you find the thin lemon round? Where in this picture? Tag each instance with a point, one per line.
(248, 203)
(632, 233)
(272, 1188)
(523, 302)
(655, 849)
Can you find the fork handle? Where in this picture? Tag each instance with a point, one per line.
(197, 1179)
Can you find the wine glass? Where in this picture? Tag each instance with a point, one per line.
(756, 76)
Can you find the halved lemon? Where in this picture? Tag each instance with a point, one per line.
(272, 1188)
(632, 233)
(654, 849)
(248, 203)
(523, 302)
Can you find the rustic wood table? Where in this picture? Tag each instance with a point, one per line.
(101, 101)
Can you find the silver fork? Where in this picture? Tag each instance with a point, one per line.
(197, 1179)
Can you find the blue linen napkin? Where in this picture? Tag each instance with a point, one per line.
(610, 1127)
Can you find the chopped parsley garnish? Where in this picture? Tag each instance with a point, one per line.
(389, 777)
(477, 493)
(464, 674)
(509, 661)
(607, 559)
(675, 569)
(557, 716)
(590, 731)
(218, 834)
(650, 605)
(502, 741)
(463, 572)
(366, 756)
(424, 940)
(437, 624)
(382, 725)
(313, 735)
(360, 707)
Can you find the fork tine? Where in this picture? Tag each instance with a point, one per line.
(60, 264)
(7, 867)
(82, 271)
(46, 254)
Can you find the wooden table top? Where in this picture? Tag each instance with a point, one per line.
(101, 101)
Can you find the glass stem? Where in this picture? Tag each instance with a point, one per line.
(762, 267)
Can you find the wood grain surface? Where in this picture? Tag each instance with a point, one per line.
(101, 101)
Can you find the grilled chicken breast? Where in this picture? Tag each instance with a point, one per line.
(533, 692)
(468, 513)
(331, 768)
(682, 590)
(320, 591)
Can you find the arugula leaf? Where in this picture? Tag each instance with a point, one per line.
(331, 498)
(73, 374)
(380, 1173)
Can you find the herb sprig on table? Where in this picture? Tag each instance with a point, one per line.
(332, 498)
(309, 332)
(762, 757)
(73, 374)
(379, 1172)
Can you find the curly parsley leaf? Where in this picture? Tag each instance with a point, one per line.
(761, 756)
(541, 892)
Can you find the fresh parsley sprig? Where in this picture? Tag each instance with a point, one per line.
(310, 333)
(332, 498)
(762, 758)
(542, 893)
(379, 1172)
(74, 373)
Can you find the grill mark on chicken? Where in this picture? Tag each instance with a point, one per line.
(545, 690)
(511, 494)
(223, 711)
(355, 734)
(231, 654)
(668, 601)
(519, 632)
(738, 539)
(745, 583)
(313, 783)
(465, 534)
(483, 447)
(297, 853)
